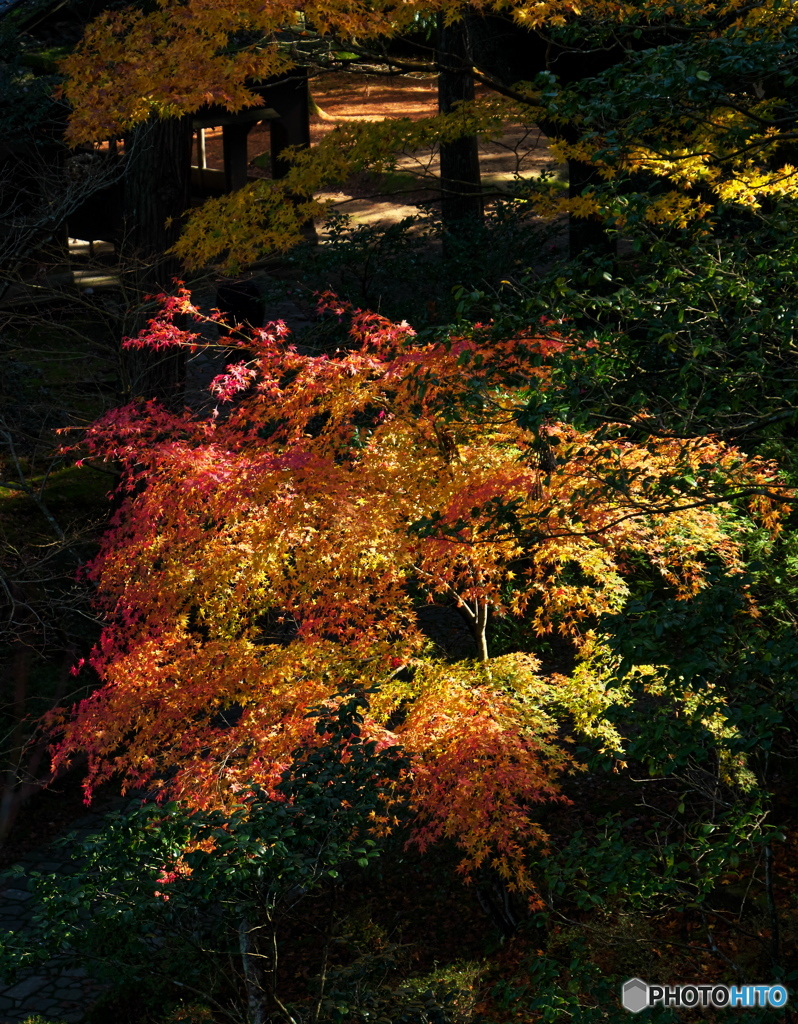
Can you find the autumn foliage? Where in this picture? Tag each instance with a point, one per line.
(698, 100)
(270, 559)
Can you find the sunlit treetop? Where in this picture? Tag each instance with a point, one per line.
(179, 56)
(274, 556)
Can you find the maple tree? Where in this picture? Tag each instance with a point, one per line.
(270, 559)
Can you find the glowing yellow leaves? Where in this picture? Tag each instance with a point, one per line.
(267, 216)
(276, 556)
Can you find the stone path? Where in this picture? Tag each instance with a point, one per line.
(58, 992)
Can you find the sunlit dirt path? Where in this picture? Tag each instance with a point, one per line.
(344, 97)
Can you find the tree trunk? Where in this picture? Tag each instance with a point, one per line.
(289, 96)
(511, 54)
(477, 618)
(461, 186)
(22, 772)
(253, 975)
(156, 197)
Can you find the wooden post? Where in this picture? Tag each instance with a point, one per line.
(234, 144)
(156, 197)
(289, 97)
(202, 158)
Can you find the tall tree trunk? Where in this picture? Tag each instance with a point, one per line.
(461, 186)
(289, 96)
(157, 194)
(512, 54)
(253, 974)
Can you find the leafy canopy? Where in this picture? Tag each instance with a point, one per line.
(697, 96)
(272, 556)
